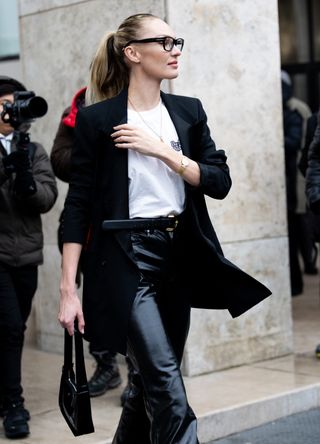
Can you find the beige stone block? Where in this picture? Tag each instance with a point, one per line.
(49, 331)
(218, 341)
(231, 62)
(27, 7)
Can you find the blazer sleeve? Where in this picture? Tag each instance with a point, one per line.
(78, 202)
(215, 180)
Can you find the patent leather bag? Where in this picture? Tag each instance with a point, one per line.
(74, 398)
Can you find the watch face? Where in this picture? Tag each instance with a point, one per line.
(184, 162)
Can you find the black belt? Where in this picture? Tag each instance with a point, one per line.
(151, 223)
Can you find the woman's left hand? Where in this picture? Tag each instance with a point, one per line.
(130, 137)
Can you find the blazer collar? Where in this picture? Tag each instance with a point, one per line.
(119, 105)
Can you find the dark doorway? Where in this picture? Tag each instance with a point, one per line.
(299, 22)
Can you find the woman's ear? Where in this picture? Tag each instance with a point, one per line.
(132, 54)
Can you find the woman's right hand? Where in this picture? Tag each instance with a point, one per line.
(70, 305)
(70, 309)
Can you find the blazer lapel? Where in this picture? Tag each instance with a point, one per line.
(117, 114)
(118, 109)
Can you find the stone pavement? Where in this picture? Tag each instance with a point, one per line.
(226, 402)
(300, 428)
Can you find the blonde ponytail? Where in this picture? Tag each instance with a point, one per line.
(108, 72)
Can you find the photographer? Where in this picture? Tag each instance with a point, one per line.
(27, 189)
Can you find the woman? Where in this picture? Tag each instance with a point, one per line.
(143, 162)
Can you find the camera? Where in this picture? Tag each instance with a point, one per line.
(25, 108)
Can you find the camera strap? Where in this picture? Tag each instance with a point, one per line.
(32, 149)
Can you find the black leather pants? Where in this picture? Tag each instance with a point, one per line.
(157, 410)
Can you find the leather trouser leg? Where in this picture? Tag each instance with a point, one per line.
(157, 333)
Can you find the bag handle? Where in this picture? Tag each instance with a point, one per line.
(67, 364)
(80, 369)
(79, 358)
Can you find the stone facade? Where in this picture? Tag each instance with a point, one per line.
(231, 61)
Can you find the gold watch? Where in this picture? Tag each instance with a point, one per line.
(183, 165)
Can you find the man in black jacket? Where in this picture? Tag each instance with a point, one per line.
(313, 170)
(27, 189)
(313, 180)
(292, 126)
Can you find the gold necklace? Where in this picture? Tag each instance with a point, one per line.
(146, 123)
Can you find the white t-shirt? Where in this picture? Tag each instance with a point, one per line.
(154, 189)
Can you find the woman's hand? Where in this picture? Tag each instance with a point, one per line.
(70, 309)
(70, 305)
(130, 137)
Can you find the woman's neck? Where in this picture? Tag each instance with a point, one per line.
(144, 96)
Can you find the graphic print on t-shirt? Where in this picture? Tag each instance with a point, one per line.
(175, 145)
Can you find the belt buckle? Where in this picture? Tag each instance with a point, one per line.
(172, 216)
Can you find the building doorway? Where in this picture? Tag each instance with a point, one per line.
(299, 22)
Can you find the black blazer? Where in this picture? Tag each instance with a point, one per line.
(98, 190)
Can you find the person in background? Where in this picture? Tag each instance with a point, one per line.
(27, 189)
(106, 375)
(313, 180)
(142, 164)
(306, 242)
(314, 219)
(295, 117)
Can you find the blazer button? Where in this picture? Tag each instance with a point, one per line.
(103, 263)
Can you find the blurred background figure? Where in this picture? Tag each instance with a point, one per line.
(27, 190)
(313, 218)
(301, 243)
(313, 180)
(106, 375)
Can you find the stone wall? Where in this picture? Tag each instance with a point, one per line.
(231, 61)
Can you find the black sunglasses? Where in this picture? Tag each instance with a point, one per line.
(167, 42)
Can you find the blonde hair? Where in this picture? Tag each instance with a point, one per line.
(109, 73)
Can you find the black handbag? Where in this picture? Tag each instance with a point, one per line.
(74, 398)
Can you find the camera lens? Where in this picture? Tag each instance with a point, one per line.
(37, 107)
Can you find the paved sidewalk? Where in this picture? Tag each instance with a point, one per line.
(301, 428)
